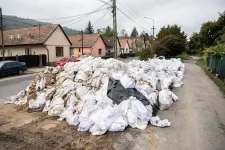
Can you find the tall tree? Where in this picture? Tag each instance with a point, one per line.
(108, 31)
(171, 30)
(195, 44)
(123, 34)
(89, 29)
(134, 33)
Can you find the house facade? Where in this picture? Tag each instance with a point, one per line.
(125, 48)
(37, 40)
(109, 46)
(93, 44)
(136, 44)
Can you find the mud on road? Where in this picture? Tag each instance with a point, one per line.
(20, 130)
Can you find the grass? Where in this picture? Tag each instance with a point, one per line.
(184, 56)
(212, 76)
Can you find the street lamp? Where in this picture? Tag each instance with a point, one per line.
(153, 25)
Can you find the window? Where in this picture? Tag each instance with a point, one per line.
(59, 51)
(28, 51)
(99, 51)
(109, 51)
(79, 50)
(11, 37)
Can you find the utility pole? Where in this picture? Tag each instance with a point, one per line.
(3, 49)
(153, 28)
(114, 27)
(82, 34)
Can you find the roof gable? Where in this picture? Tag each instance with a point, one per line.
(88, 40)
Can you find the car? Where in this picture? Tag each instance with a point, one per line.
(12, 67)
(63, 61)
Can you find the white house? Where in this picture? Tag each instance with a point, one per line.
(109, 46)
(125, 48)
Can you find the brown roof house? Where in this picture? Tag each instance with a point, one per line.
(93, 44)
(109, 46)
(125, 48)
(49, 39)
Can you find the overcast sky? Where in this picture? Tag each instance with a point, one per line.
(189, 14)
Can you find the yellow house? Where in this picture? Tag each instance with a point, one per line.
(49, 39)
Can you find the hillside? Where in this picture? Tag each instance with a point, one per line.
(24, 22)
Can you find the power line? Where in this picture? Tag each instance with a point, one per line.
(101, 18)
(135, 10)
(131, 18)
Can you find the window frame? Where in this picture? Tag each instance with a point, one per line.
(59, 51)
(28, 51)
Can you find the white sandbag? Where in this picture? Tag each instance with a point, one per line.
(155, 121)
(39, 102)
(166, 99)
(127, 82)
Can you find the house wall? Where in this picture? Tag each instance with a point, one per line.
(77, 53)
(99, 44)
(112, 50)
(57, 39)
(126, 48)
(20, 50)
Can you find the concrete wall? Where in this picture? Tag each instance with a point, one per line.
(57, 39)
(20, 50)
(126, 48)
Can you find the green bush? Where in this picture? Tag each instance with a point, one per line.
(123, 55)
(146, 53)
(131, 54)
(184, 56)
(106, 57)
(214, 50)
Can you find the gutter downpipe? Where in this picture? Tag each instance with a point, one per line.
(47, 53)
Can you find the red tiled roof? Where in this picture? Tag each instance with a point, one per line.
(28, 35)
(108, 41)
(88, 40)
(123, 43)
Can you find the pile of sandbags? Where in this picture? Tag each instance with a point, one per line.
(79, 93)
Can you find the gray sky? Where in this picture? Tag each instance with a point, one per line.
(189, 14)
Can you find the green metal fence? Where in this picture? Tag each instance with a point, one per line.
(217, 64)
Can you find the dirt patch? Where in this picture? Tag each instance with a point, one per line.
(21, 130)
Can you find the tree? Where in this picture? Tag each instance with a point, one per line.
(89, 29)
(146, 53)
(134, 33)
(170, 41)
(170, 45)
(108, 31)
(195, 44)
(171, 30)
(123, 34)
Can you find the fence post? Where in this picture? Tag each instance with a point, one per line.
(17, 58)
(40, 60)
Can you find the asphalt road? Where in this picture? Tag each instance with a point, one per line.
(12, 85)
(198, 118)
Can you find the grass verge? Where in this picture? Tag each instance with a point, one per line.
(184, 56)
(212, 76)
